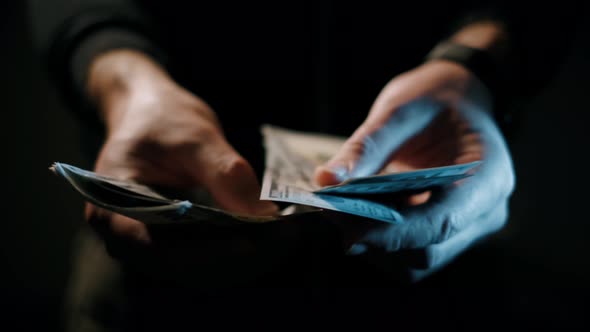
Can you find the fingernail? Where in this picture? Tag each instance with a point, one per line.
(357, 249)
(340, 172)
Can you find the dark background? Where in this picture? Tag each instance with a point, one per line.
(535, 273)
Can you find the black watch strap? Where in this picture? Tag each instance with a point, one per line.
(490, 70)
(478, 61)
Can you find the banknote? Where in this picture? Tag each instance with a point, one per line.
(286, 183)
(291, 159)
(303, 152)
(143, 203)
(403, 181)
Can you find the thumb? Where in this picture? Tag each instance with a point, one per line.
(339, 167)
(230, 179)
(372, 144)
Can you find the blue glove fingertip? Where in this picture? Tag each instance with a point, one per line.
(357, 249)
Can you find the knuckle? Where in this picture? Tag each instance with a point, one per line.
(448, 227)
(94, 216)
(206, 132)
(352, 149)
(510, 183)
(431, 257)
(393, 241)
(193, 140)
(133, 232)
(501, 219)
(505, 184)
(208, 113)
(121, 240)
(234, 166)
(200, 107)
(116, 233)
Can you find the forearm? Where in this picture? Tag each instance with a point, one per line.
(529, 43)
(489, 35)
(481, 47)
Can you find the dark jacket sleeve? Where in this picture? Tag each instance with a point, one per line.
(539, 39)
(71, 39)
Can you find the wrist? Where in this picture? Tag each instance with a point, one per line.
(489, 36)
(484, 70)
(118, 75)
(447, 81)
(482, 48)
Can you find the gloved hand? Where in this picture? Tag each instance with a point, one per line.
(435, 115)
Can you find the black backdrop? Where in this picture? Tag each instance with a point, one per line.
(536, 272)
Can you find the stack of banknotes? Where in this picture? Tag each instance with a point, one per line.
(291, 158)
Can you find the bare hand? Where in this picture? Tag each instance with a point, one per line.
(161, 134)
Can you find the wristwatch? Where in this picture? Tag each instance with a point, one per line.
(478, 61)
(489, 69)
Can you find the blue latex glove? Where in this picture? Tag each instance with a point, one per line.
(435, 115)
